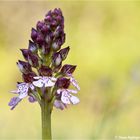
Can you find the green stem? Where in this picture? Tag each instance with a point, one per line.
(46, 120)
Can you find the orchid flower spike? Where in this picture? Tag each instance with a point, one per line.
(43, 69)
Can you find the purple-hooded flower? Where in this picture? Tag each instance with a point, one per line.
(42, 81)
(22, 91)
(68, 70)
(66, 97)
(62, 83)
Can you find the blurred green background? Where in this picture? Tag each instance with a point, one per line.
(105, 44)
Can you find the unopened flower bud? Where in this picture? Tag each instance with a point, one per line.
(33, 60)
(64, 52)
(25, 53)
(24, 67)
(45, 29)
(62, 83)
(32, 47)
(34, 34)
(68, 69)
(45, 71)
(29, 77)
(40, 39)
(39, 25)
(57, 68)
(56, 46)
(48, 38)
(48, 19)
(56, 59)
(57, 31)
(45, 49)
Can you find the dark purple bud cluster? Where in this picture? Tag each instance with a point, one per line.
(44, 51)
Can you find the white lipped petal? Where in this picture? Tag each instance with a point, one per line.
(44, 81)
(65, 98)
(49, 83)
(38, 83)
(74, 99)
(23, 95)
(22, 87)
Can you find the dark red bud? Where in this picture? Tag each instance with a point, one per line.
(62, 83)
(64, 52)
(68, 69)
(45, 71)
(29, 77)
(25, 53)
